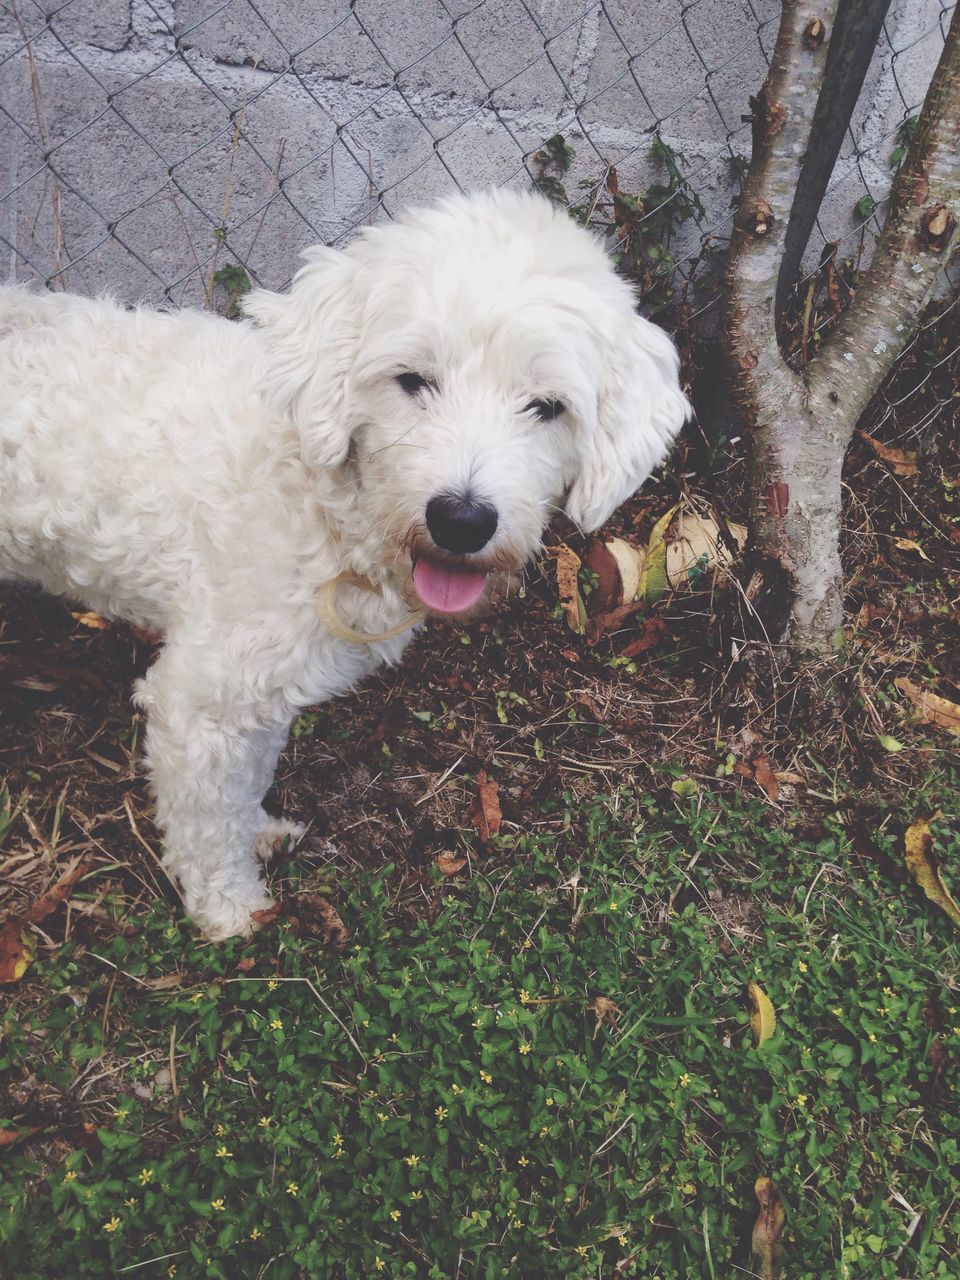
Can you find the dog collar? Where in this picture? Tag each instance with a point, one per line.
(331, 619)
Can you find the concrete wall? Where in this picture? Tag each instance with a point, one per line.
(132, 130)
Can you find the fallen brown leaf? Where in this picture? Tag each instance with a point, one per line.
(485, 809)
(319, 918)
(168, 981)
(48, 902)
(932, 708)
(605, 1012)
(923, 866)
(766, 778)
(902, 462)
(768, 1229)
(449, 864)
(17, 949)
(9, 1136)
(654, 629)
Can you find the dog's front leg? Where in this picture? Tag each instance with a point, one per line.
(211, 757)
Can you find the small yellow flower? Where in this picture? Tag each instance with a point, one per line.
(412, 1161)
(837, 1011)
(888, 992)
(872, 1038)
(395, 1214)
(622, 1241)
(275, 1025)
(379, 1263)
(516, 1224)
(196, 997)
(122, 1113)
(802, 966)
(684, 1080)
(544, 1131)
(524, 996)
(883, 1010)
(272, 985)
(486, 1077)
(145, 1176)
(549, 1102)
(952, 1009)
(801, 1099)
(222, 1153)
(416, 1195)
(456, 1090)
(220, 1131)
(293, 1189)
(524, 1049)
(527, 944)
(264, 1122)
(805, 1048)
(71, 1175)
(256, 1233)
(337, 1140)
(441, 1113)
(382, 1117)
(172, 1270)
(613, 906)
(477, 1023)
(130, 1202)
(523, 1162)
(365, 1023)
(582, 1250)
(219, 1204)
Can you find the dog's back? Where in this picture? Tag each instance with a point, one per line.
(116, 428)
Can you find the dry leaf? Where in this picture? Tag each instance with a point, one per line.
(605, 1011)
(654, 629)
(48, 902)
(168, 981)
(908, 544)
(449, 864)
(568, 586)
(932, 708)
(902, 462)
(697, 547)
(485, 809)
(766, 778)
(17, 948)
(763, 1021)
(9, 1136)
(318, 918)
(923, 866)
(768, 1229)
(91, 620)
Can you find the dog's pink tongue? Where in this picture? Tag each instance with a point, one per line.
(445, 589)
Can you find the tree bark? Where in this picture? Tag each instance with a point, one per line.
(800, 425)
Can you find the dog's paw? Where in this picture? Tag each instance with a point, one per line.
(220, 915)
(274, 833)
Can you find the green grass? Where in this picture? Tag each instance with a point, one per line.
(443, 1099)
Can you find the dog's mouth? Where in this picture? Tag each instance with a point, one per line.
(447, 588)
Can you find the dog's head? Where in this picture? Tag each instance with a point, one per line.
(472, 369)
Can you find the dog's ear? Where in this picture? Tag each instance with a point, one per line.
(639, 412)
(312, 336)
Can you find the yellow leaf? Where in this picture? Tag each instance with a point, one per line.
(684, 787)
(18, 946)
(568, 587)
(932, 708)
(922, 864)
(768, 1229)
(908, 544)
(91, 620)
(653, 578)
(763, 1021)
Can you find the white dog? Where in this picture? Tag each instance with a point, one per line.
(397, 429)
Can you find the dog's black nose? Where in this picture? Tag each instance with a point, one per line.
(460, 523)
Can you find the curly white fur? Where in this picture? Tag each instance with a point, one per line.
(205, 478)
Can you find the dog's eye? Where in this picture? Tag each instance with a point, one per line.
(413, 383)
(546, 410)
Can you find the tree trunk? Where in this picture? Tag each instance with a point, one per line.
(799, 426)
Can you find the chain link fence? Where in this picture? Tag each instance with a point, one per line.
(172, 150)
